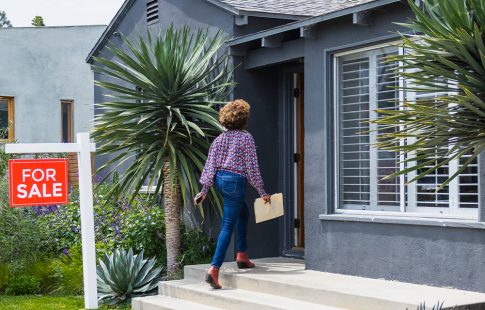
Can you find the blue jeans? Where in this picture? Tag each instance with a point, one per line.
(232, 186)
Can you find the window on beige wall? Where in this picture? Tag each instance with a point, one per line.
(6, 119)
(67, 121)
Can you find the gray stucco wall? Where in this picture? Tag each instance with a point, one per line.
(40, 67)
(419, 254)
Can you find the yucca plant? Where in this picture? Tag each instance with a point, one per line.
(445, 56)
(123, 275)
(160, 117)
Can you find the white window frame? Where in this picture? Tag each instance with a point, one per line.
(408, 204)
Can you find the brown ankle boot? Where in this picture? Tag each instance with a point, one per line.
(212, 277)
(242, 261)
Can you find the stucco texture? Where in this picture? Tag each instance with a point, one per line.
(41, 66)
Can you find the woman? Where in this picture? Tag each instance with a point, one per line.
(232, 159)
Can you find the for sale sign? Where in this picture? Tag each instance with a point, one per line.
(38, 182)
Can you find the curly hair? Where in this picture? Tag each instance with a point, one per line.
(235, 114)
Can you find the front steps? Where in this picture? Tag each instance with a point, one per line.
(283, 283)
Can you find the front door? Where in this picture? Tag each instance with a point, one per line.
(298, 157)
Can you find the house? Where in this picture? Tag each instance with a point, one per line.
(46, 92)
(314, 73)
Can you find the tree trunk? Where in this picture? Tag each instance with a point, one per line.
(171, 202)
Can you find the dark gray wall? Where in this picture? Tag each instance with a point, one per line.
(419, 254)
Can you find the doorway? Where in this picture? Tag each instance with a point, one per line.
(298, 139)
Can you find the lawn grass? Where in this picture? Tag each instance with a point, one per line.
(46, 303)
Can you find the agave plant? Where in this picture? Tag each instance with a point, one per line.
(160, 117)
(123, 275)
(445, 57)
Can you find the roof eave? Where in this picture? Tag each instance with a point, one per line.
(110, 29)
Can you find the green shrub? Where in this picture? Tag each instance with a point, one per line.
(4, 158)
(42, 269)
(123, 275)
(22, 285)
(4, 274)
(68, 272)
(21, 238)
(118, 224)
(143, 228)
(197, 248)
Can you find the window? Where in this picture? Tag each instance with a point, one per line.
(365, 82)
(6, 119)
(152, 12)
(67, 119)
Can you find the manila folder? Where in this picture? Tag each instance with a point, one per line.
(268, 211)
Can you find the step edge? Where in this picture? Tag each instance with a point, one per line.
(152, 301)
(211, 293)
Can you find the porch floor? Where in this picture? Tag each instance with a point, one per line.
(283, 283)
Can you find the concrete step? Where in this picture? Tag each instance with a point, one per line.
(160, 302)
(234, 299)
(288, 278)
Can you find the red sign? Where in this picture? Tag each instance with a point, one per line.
(38, 182)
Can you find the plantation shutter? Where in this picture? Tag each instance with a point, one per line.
(366, 83)
(354, 137)
(387, 98)
(460, 196)
(468, 185)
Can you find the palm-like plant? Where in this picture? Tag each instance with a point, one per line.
(161, 116)
(445, 56)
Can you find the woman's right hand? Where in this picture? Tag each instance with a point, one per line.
(199, 198)
(266, 198)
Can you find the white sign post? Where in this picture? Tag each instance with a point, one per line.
(83, 148)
